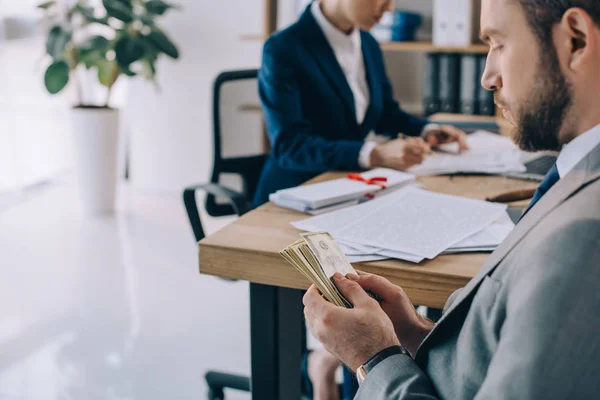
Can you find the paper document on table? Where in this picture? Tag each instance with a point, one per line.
(412, 221)
(468, 162)
(366, 258)
(492, 236)
(484, 142)
(337, 220)
(489, 153)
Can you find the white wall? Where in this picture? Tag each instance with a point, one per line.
(34, 137)
(171, 139)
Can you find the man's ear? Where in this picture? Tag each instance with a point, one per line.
(577, 39)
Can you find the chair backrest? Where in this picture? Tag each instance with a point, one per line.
(239, 140)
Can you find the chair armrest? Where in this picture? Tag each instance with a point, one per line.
(237, 200)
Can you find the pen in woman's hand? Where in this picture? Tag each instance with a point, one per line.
(406, 137)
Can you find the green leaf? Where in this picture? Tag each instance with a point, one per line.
(46, 5)
(149, 68)
(147, 20)
(93, 50)
(108, 72)
(119, 9)
(158, 7)
(128, 51)
(128, 72)
(58, 39)
(163, 43)
(88, 14)
(98, 44)
(56, 77)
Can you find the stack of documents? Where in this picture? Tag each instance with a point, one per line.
(489, 154)
(331, 195)
(412, 224)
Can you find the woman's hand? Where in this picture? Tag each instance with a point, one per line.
(400, 154)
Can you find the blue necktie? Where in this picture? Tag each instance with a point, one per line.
(551, 178)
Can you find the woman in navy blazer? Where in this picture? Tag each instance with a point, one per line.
(314, 124)
(309, 106)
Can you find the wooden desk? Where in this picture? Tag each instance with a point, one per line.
(248, 249)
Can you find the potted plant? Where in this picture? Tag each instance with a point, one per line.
(111, 39)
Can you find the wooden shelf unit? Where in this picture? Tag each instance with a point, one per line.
(428, 47)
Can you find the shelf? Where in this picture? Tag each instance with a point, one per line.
(417, 47)
(505, 126)
(428, 47)
(253, 108)
(257, 37)
(463, 118)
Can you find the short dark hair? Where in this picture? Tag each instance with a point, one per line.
(543, 15)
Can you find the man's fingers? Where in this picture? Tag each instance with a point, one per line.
(377, 285)
(351, 290)
(315, 303)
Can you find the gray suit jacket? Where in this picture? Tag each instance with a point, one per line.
(528, 325)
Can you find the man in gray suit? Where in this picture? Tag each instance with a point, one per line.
(528, 325)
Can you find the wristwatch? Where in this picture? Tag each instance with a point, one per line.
(363, 370)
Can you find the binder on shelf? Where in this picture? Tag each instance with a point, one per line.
(431, 92)
(464, 29)
(449, 82)
(456, 22)
(442, 11)
(485, 97)
(468, 84)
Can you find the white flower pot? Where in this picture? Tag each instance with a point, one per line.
(95, 138)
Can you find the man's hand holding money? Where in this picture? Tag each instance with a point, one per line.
(353, 335)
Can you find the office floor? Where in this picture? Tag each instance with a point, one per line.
(111, 308)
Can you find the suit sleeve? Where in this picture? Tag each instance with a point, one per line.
(394, 120)
(548, 346)
(397, 377)
(294, 144)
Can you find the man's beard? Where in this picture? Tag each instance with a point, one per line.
(542, 117)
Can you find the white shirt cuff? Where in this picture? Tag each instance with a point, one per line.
(428, 128)
(364, 157)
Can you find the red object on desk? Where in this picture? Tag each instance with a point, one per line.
(376, 180)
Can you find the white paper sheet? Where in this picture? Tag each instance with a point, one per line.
(337, 220)
(490, 153)
(361, 259)
(490, 237)
(410, 221)
(469, 162)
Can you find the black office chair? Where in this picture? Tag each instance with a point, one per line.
(221, 200)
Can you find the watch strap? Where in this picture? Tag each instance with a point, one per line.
(382, 355)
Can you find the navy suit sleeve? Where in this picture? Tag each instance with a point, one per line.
(294, 144)
(394, 120)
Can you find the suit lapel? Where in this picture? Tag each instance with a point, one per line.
(323, 54)
(371, 71)
(587, 171)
